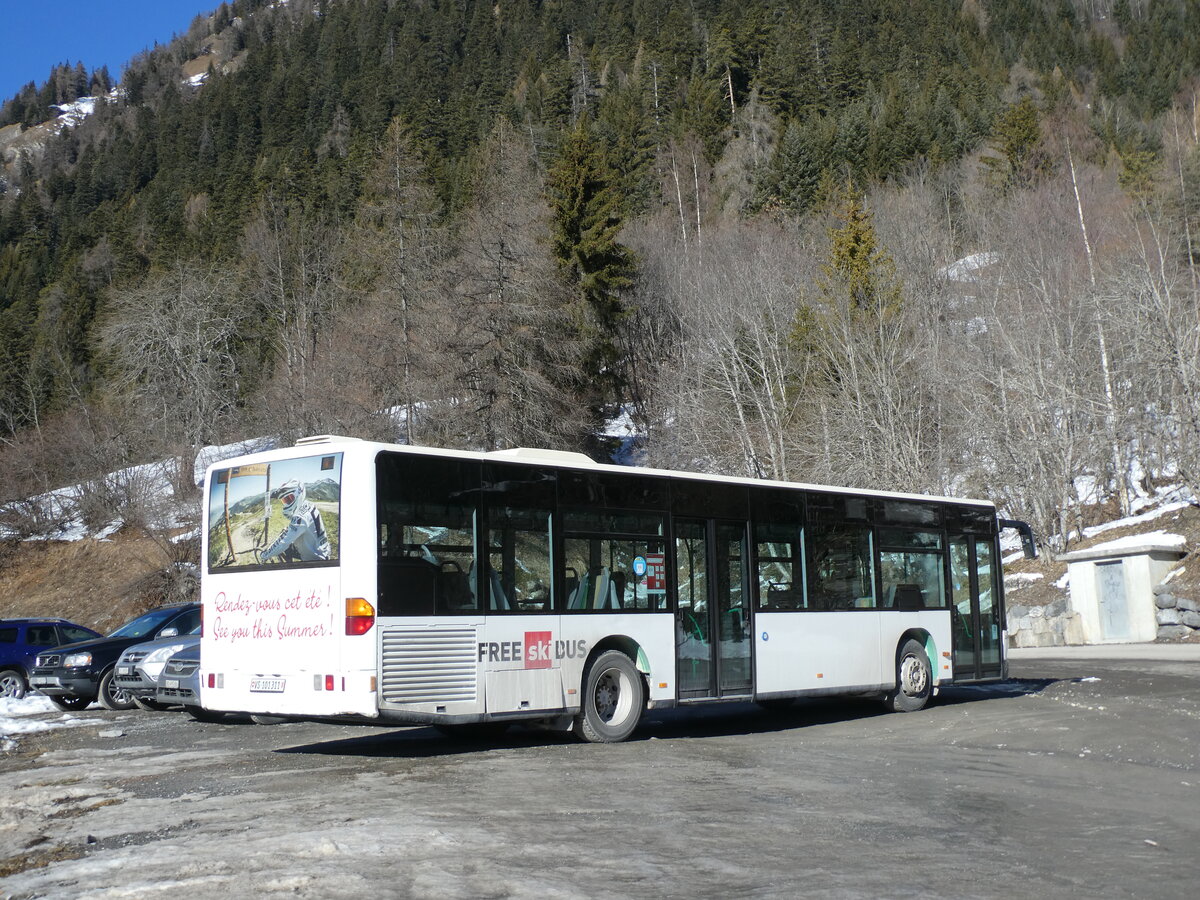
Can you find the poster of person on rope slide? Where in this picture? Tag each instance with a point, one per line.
(278, 513)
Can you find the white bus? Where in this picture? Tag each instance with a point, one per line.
(394, 584)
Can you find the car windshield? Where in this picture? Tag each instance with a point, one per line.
(145, 624)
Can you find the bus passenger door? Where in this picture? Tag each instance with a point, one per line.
(974, 608)
(712, 633)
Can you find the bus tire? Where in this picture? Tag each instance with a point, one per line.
(914, 679)
(113, 696)
(614, 698)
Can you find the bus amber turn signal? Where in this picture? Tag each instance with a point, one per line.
(360, 615)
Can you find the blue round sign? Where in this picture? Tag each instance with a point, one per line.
(639, 566)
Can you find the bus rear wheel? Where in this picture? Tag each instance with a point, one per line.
(914, 679)
(614, 698)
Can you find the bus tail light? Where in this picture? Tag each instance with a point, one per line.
(360, 615)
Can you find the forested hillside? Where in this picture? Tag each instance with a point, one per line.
(929, 245)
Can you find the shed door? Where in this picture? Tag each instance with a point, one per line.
(1110, 594)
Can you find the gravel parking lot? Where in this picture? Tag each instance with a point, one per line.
(1077, 778)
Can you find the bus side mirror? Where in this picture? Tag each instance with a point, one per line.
(1028, 545)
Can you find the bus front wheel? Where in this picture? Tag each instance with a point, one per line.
(914, 679)
(614, 698)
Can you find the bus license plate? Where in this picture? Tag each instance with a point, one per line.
(267, 685)
(171, 683)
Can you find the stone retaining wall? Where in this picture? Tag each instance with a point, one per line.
(1052, 625)
(1178, 617)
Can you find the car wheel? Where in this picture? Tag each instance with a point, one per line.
(149, 705)
(112, 695)
(72, 704)
(614, 699)
(12, 684)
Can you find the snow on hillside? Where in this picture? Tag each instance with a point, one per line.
(151, 487)
(968, 268)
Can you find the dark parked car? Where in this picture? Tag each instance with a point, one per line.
(76, 674)
(20, 642)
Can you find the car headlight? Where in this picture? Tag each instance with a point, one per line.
(77, 659)
(162, 654)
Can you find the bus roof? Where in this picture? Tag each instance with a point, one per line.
(565, 460)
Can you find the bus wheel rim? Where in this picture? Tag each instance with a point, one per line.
(912, 676)
(608, 695)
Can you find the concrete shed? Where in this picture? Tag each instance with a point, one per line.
(1112, 586)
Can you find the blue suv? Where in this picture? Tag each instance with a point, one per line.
(20, 642)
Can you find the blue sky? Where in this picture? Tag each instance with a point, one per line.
(37, 34)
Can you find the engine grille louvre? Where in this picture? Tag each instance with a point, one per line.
(428, 665)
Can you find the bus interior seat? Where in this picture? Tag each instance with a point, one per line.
(497, 599)
(616, 594)
(905, 596)
(603, 582)
(454, 588)
(578, 598)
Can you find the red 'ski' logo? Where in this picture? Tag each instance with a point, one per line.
(537, 649)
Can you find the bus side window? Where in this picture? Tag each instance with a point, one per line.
(841, 566)
(778, 563)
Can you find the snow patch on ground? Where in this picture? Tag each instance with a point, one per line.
(1168, 499)
(631, 450)
(33, 713)
(1024, 576)
(967, 268)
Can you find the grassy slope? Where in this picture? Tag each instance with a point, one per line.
(101, 584)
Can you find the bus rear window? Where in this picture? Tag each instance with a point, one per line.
(282, 513)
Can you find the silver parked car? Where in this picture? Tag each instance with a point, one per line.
(180, 685)
(141, 666)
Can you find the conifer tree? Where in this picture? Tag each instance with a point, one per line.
(586, 222)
